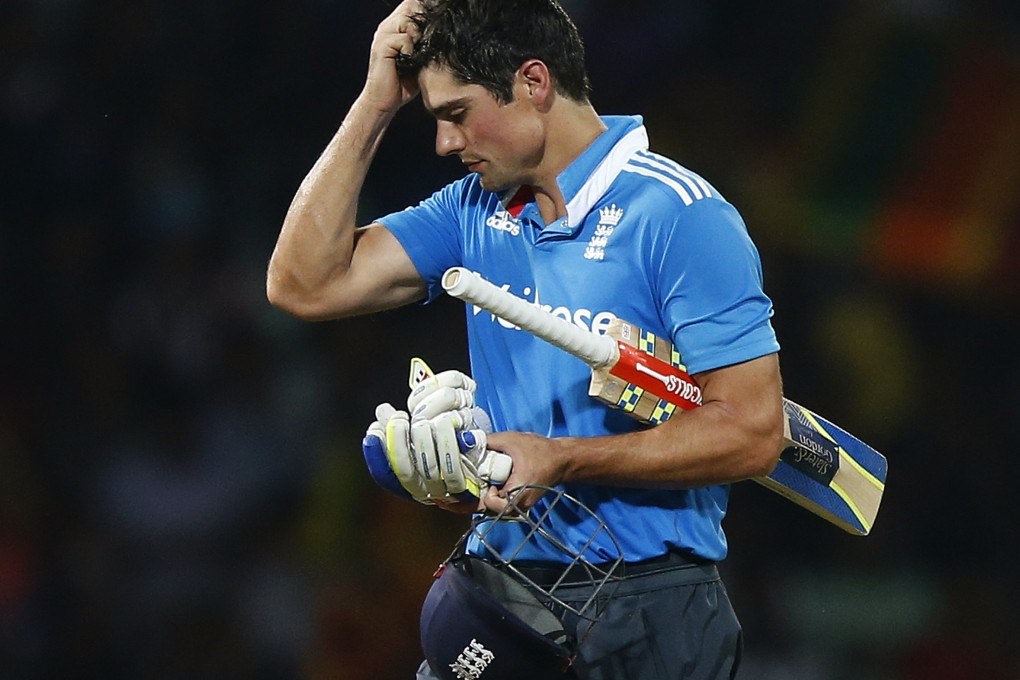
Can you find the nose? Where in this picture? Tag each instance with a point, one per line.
(449, 140)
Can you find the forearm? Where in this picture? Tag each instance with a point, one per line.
(736, 434)
(706, 446)
(316, 243)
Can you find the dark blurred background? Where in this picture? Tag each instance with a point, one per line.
(182, 493)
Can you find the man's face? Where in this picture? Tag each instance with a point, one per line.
(502, 143)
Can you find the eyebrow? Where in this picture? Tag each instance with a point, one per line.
(445, 108)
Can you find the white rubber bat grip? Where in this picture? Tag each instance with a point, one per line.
(598, 351)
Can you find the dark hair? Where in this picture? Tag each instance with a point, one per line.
(484, 42)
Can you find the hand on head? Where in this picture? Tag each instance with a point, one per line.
(384, 88)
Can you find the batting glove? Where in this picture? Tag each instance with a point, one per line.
(432, 397)
(423, 459)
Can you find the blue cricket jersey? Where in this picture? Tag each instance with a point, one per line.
(644, 239)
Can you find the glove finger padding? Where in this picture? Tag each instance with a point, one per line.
(444, 391)
(489, 467)
(389, 457)
(425, 456)
(429, 384)
(400, 452)
(448, 463)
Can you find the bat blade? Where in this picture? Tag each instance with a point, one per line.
(822, 468)
(826, 466)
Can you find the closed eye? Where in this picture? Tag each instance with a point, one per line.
(454, 111)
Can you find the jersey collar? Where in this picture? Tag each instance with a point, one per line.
(589, 176)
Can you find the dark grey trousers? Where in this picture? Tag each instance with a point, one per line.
(670, 624)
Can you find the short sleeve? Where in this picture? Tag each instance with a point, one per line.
(431, 234)
(711, 290)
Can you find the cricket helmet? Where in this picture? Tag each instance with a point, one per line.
(488, 617)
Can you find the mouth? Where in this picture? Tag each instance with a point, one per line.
(473, 166)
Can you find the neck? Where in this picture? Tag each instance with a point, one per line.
(570, 130)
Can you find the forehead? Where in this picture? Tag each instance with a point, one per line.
(439, 88)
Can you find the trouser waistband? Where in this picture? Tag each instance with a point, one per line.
(682, 568)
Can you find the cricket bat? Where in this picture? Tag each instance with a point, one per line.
(822, 467)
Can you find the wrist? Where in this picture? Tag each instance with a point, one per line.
(569, 456)
(372, 112)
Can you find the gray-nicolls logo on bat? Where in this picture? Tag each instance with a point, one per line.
(672, 383)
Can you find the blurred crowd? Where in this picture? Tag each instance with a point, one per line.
(182, 493)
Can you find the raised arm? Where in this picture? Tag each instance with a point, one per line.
(323, 265)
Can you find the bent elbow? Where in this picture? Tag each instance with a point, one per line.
(764, 457)
(276, 294)
(286, 298)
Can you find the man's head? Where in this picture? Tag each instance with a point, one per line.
(485, 42)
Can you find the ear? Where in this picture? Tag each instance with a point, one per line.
(535, 82)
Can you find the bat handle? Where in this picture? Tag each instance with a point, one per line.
(598, 351)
